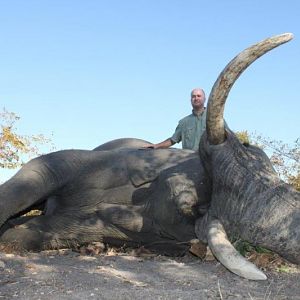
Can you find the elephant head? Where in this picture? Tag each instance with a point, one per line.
(249, 200)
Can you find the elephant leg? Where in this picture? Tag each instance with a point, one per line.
(61, 231)
(37, 180)
(27, 188)
(21, 237)
(139, 227)
(114, 224)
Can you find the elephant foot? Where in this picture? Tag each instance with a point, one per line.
(20, 238)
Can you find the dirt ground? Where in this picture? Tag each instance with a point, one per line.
(66, 274)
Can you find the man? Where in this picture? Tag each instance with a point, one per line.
(190, 128)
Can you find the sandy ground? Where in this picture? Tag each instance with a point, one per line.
(70, 275)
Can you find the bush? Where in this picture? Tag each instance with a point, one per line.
(16, 148)
(284, 157)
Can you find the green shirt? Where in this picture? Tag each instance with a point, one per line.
(189, 131)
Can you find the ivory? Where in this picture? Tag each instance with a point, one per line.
(219, 93)
(226, 254)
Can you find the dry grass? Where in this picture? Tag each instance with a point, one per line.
(272, 262)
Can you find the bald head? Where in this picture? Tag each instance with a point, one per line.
(198, 99)
(197, 90)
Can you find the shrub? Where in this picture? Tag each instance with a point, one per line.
(16, 148)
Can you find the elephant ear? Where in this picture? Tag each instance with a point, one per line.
(141, 169)
(145, 165)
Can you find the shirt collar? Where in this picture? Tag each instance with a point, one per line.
(197, 114)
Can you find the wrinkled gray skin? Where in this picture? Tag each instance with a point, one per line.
(137, 196)
(122, 194)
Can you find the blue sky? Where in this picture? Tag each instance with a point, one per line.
(91, 71)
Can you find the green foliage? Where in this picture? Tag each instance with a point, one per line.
(244, 248)
(16, 148)
(284, 269)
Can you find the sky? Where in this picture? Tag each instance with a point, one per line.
(86, 72)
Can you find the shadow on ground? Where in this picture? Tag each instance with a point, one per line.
(69, 275)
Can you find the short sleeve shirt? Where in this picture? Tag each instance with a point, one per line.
(189, 131)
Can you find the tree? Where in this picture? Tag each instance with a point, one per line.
(284, 157)
(15, 149)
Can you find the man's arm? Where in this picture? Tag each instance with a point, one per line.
(175, 138)
(162, 145)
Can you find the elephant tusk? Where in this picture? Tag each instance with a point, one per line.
(222, 86)
(224, 251)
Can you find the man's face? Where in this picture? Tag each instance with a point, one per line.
(197, 99)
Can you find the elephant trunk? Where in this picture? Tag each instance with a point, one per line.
(268, 219)
(250, 200)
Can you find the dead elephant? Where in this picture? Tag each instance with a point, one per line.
(161, 199)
